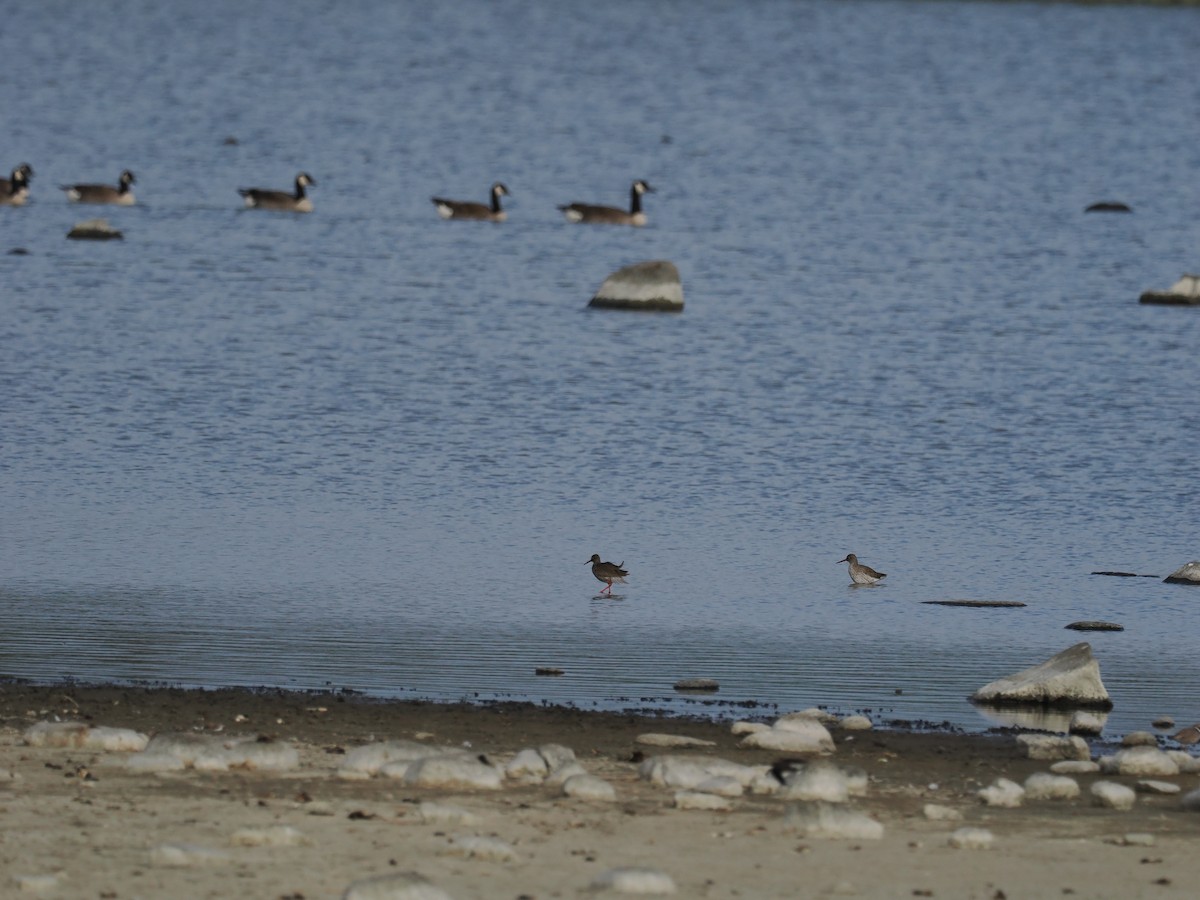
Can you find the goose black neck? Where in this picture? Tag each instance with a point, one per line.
(299, 189)
(495, 200)
(635, 201)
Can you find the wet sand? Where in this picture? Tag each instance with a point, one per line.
(79, 824)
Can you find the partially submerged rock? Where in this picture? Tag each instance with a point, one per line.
(1069, 678)
(94, 230)
(1184, 292)
(977, 604)
(1086, 723)
(1190, 573)
(653, 286)
(1095, 625)
(697, 684)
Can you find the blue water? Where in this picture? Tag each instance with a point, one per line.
(368, 448)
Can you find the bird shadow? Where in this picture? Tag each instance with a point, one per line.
(609, 597)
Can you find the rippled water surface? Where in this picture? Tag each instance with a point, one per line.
(368, 448)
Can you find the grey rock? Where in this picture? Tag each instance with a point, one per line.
(1069, 678)
(94, 230)
(395, 886)
(1187, 574)
(1094, 625)
(653, 286)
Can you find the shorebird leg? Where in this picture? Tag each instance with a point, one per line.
(608, 588)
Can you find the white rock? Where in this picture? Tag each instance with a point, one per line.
(1188, 573)
(1112, 795)
(558, 777)
(446, 814)
(1146, 786)
(937, 813)
(722, 785)
(1075, 767)
(1188, 764)
(689, 771)
(154, 762)
(1139, 761)
(813, 712)
(1041, 786)
(528, 764)
(749, 727)
(184, 855)
(556, 755)
(83, 736)
(1137, 839)
(453, 772)
(1191, 801)
(700, 800)
(634, 881)
(261, 756)
(1086, 723)
(1048, 746)
(653, 739)
(823, 820)
(798, 735)
(482, 848)
(589, 787)
(1139, 739)
(653, 285)
(271, 836)
(395, 886)
(1002, 792)
(817, 781)
(972, 839)
(37, 884)
(764, 784)
(370, 758)
(856, 723)
(102, 737)
(1072, 676)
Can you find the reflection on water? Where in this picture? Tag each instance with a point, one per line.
(1036, 718)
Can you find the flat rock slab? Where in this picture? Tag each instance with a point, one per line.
(697, 684)
(982, 604)
(1124, 574)
(1095, 626)
(652, 286)
(1069, 678)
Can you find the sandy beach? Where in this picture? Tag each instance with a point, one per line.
(82, 823)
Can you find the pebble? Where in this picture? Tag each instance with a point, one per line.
(700, 800)
(1041, 786)
(1002, 792)
(1135, 839)
(271, 836)
(1112, 795)
(37, 884)
(856, 723)
(446, 814)
(672, 740)
(828, 821)
(972, 839)
(185, 855)
(937, 813)
(1140, 739)
(486, 848)
(1075, 767)
(817, 781)
(634, 881)
(1163, 722)
(1046, 746)
(589, 787)
(1147, 786)
(452, 772)
(395, 886)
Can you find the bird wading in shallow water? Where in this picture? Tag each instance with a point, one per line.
(609, 573)
(859, 573)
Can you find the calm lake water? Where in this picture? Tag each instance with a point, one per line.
(367, 448)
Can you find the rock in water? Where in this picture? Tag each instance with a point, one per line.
(1184, 292)
(1189, 574)
(94, 230)
(1070, 678)
(1095, 626)
(653, 286)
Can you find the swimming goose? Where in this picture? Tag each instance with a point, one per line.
(257, 198)
(469, 209)
(607, 572)
(610, 215)
(121, 195)
(859, 573)
(14, 191)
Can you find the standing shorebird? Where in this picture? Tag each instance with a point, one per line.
(609, 573)
(861, 574)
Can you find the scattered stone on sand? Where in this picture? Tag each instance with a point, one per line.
(37, 884)
(94, 230)
(653, 739)
(1139, 761)
(1189, 735)
(1041, 786)
(1075, 767)
(1189, 573)
(697, 684)
(270, 836)
(820, 780)
(1112, 795)
(856, 723)
(977, 604)
(689, 772)
(792, 734)
(1049, 747)
(1162, 723)
(486, 848)
(1094, 625)
(702, 800)
(1133, 839)
(185, 855)
(170, 752)
(1086, 723)
(527, 765)
(559, 776)
(368, 760)
(447, 814)
(1184, 292)
(825, 820)
(556, 755)
(1191, 801)
(1002, 792)
(824, 716)
(972, 839)
(454, 772)
(1069, 678)
(653, 286)
(634, 880)
(1149, 786)
(395, 886)
(590, 788)
(764, 784)
(82, 736)
(856, 780)
(748, 727)
(722, 785)
(1188, 764)
(935, 812)
(1139, 739)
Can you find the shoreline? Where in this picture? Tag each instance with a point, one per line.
(81, 823)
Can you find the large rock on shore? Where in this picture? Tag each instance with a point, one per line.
(1188, 574)
(1070, 678)
(653, 286)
